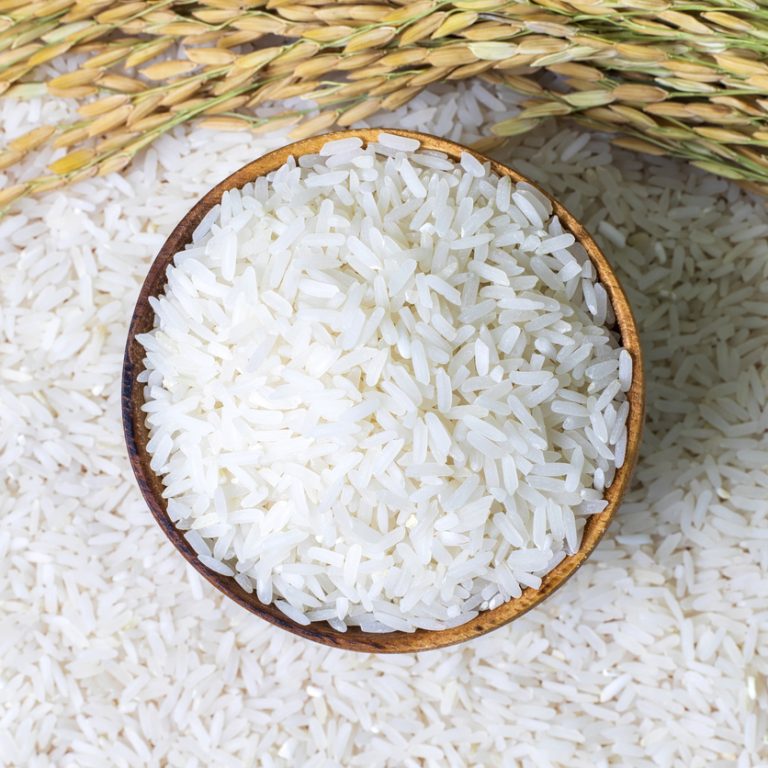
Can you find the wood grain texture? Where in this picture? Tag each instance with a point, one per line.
(136, 433)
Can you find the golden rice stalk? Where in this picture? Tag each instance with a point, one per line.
(470, 70)
(638, 145)
(728, 21)
(296, 12)
(275, 124)
(72, 161)
(639, 94)
(684, 21)
(48, 52)
(109, 120)
(16, 72)
(386, 86)
(184, 106)
(76, 92)
(359, 112)
(228, 105)
(262, 24)
(679, 79)
(32, 139)
(70, 137)
(267, 92)
(121, 83)
(356, 11)
(723, 135)
(115, 141)
(86, 9)
(514, 126)
(358, 61)
(74, 79)
(120, 12)
(143, 53)
(217, 16)
(758, 109)
(225, 123)
(399, 97)
(107, 58)
(166, 70)
(83, 173)
(95, 108)
(46, 183)
(545, 109)
(451, 56)
(9, 194)
(423, 28)
(314, 125)
(328, 34)
(490, 31)
(183, 29)
(480, 5)
(144, 105)
(290, 91)
(10, 157)
(718, 113)
(455, 23)
(234, 79)
(233, 39)
(302, 51)
(427, 76)
(578, 71)
(488, 144)
(409, 12)
(254, 61)
(114, 164)
(493, 51)
(586, 99)
(372, 38)
(178, 93)
(721, 169)
(319, 64)
(740, 66)
(211, 56)
(632, 116)
(7, 58)
(150, 122)
(405, 57)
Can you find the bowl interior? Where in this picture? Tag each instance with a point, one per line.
(136, 433)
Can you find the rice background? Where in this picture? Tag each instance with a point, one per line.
(114, 652)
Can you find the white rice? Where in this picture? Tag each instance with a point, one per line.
(113, 647)
(343, 458)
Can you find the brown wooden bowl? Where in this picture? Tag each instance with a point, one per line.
(136, 433)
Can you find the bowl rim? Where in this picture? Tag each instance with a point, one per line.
(135, 431)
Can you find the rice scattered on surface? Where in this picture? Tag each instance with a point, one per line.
(292, 388)
(654, 654)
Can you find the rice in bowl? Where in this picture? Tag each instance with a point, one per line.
(383, 388)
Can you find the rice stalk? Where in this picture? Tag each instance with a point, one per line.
(687, 81)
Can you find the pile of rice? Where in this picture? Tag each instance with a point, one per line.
(654, 654)
(383, 389)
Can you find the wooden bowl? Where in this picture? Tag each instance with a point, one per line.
(136, 433)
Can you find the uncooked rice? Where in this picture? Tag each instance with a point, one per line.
(115, 652)
(292, 388)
